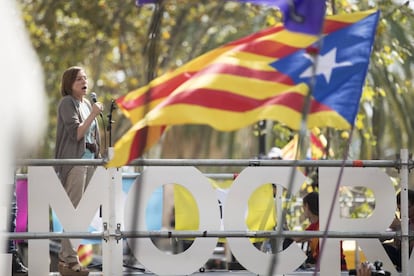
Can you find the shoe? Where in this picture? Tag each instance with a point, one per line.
(72, 269)
(18, 268)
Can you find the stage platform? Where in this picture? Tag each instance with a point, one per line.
(207, 273)
(132, 268)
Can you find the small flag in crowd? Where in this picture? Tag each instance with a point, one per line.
(85, 254)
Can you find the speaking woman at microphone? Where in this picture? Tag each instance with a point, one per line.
(77, 136)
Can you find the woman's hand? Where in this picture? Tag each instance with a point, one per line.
(97, 108)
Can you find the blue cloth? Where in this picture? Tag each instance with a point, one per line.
(342, 65)
(153, 212)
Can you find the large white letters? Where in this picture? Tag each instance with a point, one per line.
(45, 190)
(382, 216)
(234, 209)
(146, 252)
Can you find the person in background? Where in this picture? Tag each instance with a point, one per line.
(311, 212)
(275, 153)
(18, 268)
(393, 249)
(363, 269)
(77, 136)
(368, 269)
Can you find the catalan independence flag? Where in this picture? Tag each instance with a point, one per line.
(266, 75)
(317, 148)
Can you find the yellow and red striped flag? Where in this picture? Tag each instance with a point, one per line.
(317, 147)
(263, 76)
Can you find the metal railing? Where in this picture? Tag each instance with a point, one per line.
(117, 234)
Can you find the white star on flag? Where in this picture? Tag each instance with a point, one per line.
(326, 64)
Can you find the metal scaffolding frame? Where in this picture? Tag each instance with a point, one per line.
(402, 163)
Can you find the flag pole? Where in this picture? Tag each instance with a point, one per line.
(314, 53)
(261, 130)
(150, 51)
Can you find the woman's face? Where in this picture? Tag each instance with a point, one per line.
(306, 211)
(80, 85)
(410, 210)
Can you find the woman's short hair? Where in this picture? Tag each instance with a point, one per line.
(312, 200)
(410, 197)
(68, 78)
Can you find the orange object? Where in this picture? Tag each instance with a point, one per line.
(358, 163)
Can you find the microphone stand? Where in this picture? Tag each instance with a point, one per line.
(110, 122)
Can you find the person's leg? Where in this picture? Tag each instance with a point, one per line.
(18, 268)
(74, 187)
(12, 227)
(394, 254)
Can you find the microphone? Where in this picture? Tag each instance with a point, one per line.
(94, 100)
(93, 97)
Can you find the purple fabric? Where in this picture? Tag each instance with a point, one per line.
(143, 2)
(21, 200)
(304, 16)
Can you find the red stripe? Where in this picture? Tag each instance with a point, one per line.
(139, 143)
(252, 74)
(267, 48)
(257, 35)
(166, 88)
(316, 141)
(332, 26)
(85, 254)
(158, 92)
(227, 101)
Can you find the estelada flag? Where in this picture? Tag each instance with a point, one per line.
(266, 75)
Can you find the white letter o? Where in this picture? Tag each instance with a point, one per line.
(145, 251)
(234, 219)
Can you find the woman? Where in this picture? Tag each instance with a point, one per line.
(311, 212)
(393, 248)
(77, 136)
